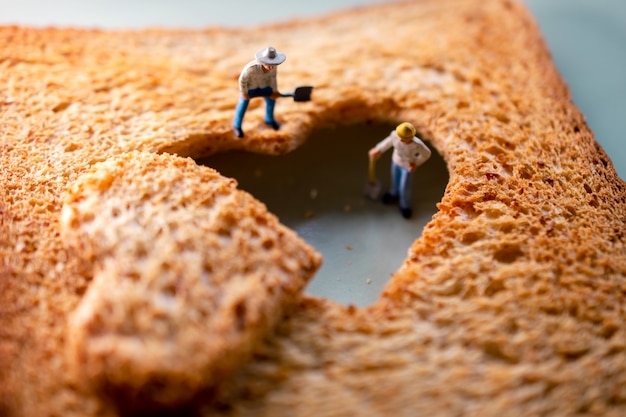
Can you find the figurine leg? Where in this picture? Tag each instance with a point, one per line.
(240, 111)
(396, 179)
(405, 193)
(405, 188)
(269, 113)
(391, 197)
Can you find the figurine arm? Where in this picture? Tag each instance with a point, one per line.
(381, 147)
(385, 144)
(243, 88)
(274, 84)
(244, 82)
(273, 80)
(423, 154)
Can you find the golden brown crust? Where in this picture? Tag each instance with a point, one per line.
(510, 303)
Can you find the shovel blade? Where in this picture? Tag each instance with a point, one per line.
(302, 93)
(372, 190)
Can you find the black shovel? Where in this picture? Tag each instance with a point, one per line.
(300, 94)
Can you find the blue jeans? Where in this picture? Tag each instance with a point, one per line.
(242, 105)
(401, 184)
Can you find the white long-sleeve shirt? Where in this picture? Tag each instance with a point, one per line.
(252, 76)
(405, 154)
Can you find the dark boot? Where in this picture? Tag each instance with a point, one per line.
(390, 199)
(273, 124)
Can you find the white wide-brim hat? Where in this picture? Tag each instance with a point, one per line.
(270, 56)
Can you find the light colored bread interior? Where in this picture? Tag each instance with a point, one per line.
(189, 274)
(510, 303)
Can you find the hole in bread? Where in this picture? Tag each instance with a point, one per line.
(318, 191)
(240, 315)
(508, 253)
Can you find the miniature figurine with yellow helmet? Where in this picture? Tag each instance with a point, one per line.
(409, 152)
(406, 131)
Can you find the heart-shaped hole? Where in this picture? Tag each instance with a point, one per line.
(318, 191)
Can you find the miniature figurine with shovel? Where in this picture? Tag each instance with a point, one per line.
(409, 152)
(258, 79)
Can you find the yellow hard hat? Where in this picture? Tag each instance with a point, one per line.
(405, 130)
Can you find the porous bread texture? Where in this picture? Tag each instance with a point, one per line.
(510, 303)
(189, 274)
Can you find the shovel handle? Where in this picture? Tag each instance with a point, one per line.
(372, 169)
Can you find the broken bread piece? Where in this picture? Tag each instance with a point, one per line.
(189, 273)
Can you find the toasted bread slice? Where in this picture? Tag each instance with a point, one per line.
(511, 302)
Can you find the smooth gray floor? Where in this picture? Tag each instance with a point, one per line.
(318, 191)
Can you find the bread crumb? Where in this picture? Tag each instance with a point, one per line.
(313, 193)
(349, 247)
(308, 214)
(347, 208)
(369, 281)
